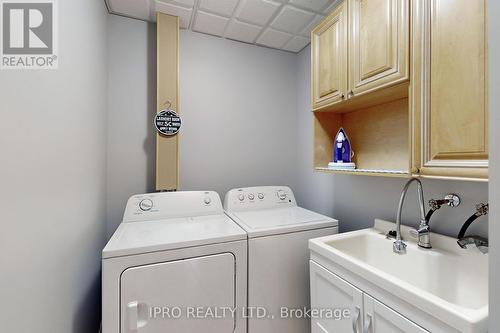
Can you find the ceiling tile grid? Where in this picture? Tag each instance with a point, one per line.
(279, 24)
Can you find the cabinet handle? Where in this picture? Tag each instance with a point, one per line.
(355, 319)
(368, 323)
(350, 94)
(342, 96)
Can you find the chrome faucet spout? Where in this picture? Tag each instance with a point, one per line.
(423, 230)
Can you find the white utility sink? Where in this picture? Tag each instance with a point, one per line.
(447, 282)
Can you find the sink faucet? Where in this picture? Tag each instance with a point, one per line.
(423, 231)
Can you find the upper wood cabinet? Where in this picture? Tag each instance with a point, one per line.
(378, 44)
(329, 54)
(361, 47)
(430, 121)
(450, 103)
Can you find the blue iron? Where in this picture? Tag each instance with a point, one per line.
(342, 149)
(342, 153)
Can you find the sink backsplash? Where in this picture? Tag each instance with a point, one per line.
(356, 201)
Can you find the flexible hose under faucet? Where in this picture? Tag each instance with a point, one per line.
(481, 209)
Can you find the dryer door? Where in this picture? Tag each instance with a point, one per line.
(167, 297)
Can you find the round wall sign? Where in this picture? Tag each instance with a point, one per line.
(168, 122)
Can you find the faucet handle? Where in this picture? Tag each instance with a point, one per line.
(422, 234)
(413, 233)
(422, 229)
(482, 209)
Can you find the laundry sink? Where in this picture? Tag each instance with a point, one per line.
(447, 282)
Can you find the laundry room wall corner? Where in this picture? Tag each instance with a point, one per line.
(53, 163)
(131, 109)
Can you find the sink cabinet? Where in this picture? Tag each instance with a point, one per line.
(441, 290)
(367, 315)
(330, 292)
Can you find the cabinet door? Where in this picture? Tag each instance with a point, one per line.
(329, 59)
(378, 44)
(378, 318)
(453, 114)
(328, 291)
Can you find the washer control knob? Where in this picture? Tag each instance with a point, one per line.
(146, 205)
(207, 200)
(241, 197)
(281, 194)
(261, 196)
(251, 196)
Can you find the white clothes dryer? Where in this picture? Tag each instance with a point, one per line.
(175, 264)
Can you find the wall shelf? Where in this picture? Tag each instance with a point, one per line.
(367, 172)
(379, 137)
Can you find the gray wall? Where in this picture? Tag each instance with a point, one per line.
(238, 107)
(52, 196)
(494, 93)
(356, 200)
(131, 108)
(237, 103)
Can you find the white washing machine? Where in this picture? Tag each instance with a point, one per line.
(175, 264)
(278, 257)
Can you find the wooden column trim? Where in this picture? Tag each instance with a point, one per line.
(167, 148)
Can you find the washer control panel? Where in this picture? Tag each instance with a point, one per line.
(164, 205)
(146, 204)
(261, 197)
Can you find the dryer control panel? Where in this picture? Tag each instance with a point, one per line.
(260, 197)
(165, 205)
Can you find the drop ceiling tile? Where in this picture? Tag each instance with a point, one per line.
(314, 5)
(296, 44)
(183, 13)
(258, 11)
(133, 8)
(273, 38)
(220, 7)
(281, 24)
(306, 32)
(331, 7)
(292, 19)
(242, 31)
(210, 23)
(183, 3)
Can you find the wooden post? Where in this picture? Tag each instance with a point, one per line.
(167, 148)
